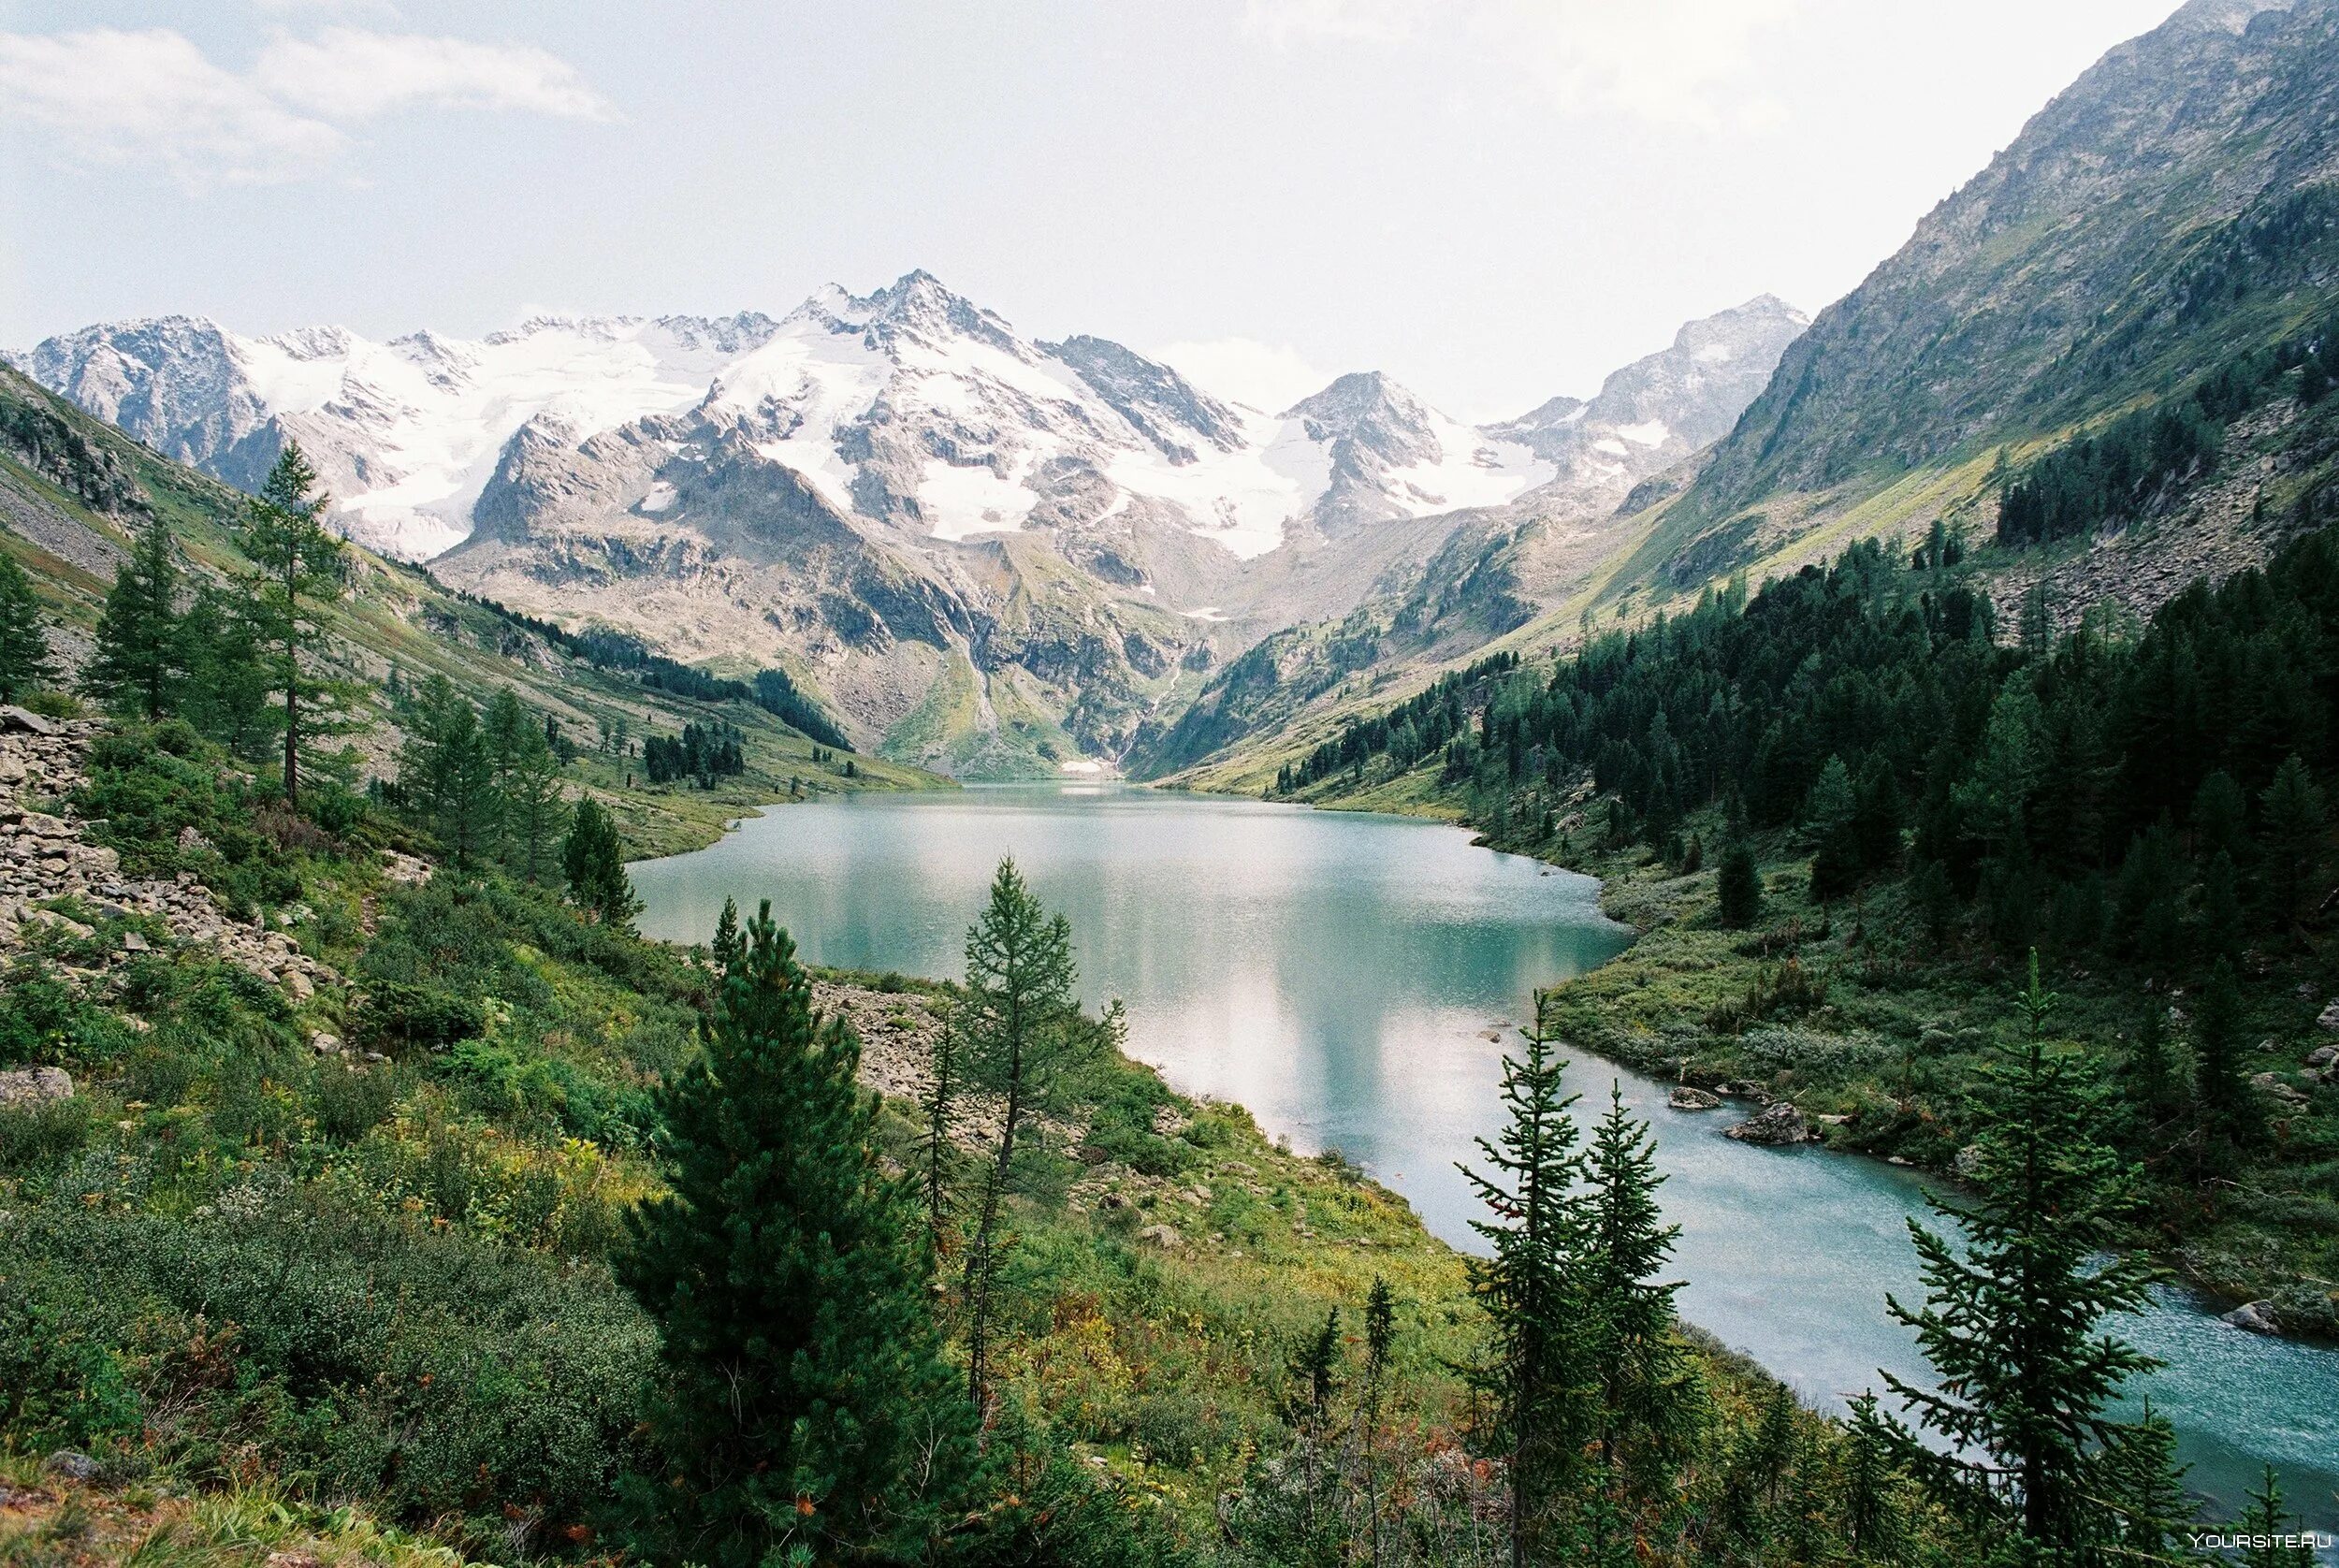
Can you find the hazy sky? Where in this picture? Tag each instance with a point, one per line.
(1493, 200)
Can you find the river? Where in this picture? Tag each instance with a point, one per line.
(1355, 981)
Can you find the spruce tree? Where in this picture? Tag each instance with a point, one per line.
(297, 572)
(941, 1102)
(2145, 1485)
(2291, 810)
(1538, 1375)
(593, 863)
(137, 663)
(805, 1415)
(1019, 1026)
(1647, 1392)
(24, 657)
(2221, 1087)
(1738, 888)
(2010, 1324)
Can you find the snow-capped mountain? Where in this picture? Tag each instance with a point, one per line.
(910, 407)
(990, 553)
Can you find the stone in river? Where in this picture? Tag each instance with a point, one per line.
(1687, 1096)
(1775, 1125)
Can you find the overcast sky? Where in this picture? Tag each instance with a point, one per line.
(1493, 200)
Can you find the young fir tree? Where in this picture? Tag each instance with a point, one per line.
(24, 658)
(1738, 888)
(1538, 1375)
(593, 863)
(223, 690)
(135, 665)
(2272, 1531)
(297, 572)
(1380, 1340)
(447, 773)
(806, 1413)
(1649, 1408)
(2011, 1325)
(1019, 1026)
(2145, 1485)
(1873, 1494)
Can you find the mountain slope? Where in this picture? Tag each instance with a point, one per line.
(2173, 208)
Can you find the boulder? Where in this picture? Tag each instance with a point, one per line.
(35, 1085)
(2323, 1057)
(2266, 1083)
(1163, 1236)
(15, 721)
(1775, 1125)
(2257, 1317)
(70, 1465)
(1687, 1097)
(2329, 1017)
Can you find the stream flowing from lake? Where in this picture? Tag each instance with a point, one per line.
(1355, 981)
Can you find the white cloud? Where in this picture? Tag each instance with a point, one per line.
(347, 73)
(1268, 376)
(151, 98)
(1669, 60)
(108, 96)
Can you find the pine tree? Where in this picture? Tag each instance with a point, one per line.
(593, 863)
(1537, 1376)
(805, 1414)
(1380, 1339)
(1738, 888)
(24, 658)
(297, 572)
(135, 665)
(1019, 1028)
(2010, 1327)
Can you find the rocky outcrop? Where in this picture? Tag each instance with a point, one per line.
(1687, 1097)
(1776, 1126)
(25, 1086)
(47, 859)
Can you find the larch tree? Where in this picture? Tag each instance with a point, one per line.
(1019, 1025)
(24, 658)
(138, 662)
(296, 572)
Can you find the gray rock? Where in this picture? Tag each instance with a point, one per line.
(1775, 1125)
(22, 721)
(70, 1465)
(1163, 1236)
(1686, 1096)
(2329, 1017)
(35, 1085)
(2257, 1317)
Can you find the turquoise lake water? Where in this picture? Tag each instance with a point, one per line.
(1355, 981)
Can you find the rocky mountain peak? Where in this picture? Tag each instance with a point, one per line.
(1367, 411)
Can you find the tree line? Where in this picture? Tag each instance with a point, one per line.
(2143, 457)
